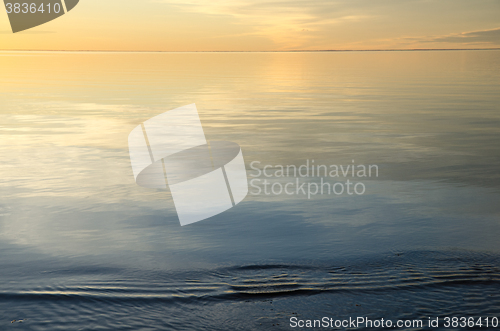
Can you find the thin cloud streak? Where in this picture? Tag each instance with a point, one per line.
(342, 24)
(484, 36)
(276, 25)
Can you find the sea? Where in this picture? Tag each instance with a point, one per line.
(83, 247)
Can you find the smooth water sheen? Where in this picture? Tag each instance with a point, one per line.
(82, 247)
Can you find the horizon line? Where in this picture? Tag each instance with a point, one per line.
(272, 51)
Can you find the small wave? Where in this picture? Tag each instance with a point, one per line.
(415, 271)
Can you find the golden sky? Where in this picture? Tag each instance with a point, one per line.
(254, 25)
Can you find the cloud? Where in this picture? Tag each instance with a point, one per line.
(482, 36)
(345, 24)
(290, 23)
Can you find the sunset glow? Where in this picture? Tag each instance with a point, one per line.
(244, 25)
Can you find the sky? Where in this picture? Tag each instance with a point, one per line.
(255, 25)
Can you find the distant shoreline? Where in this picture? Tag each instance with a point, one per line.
(288, 51)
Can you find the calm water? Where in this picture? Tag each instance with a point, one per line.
(82, 247)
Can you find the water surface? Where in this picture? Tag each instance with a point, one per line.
(82, 247)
